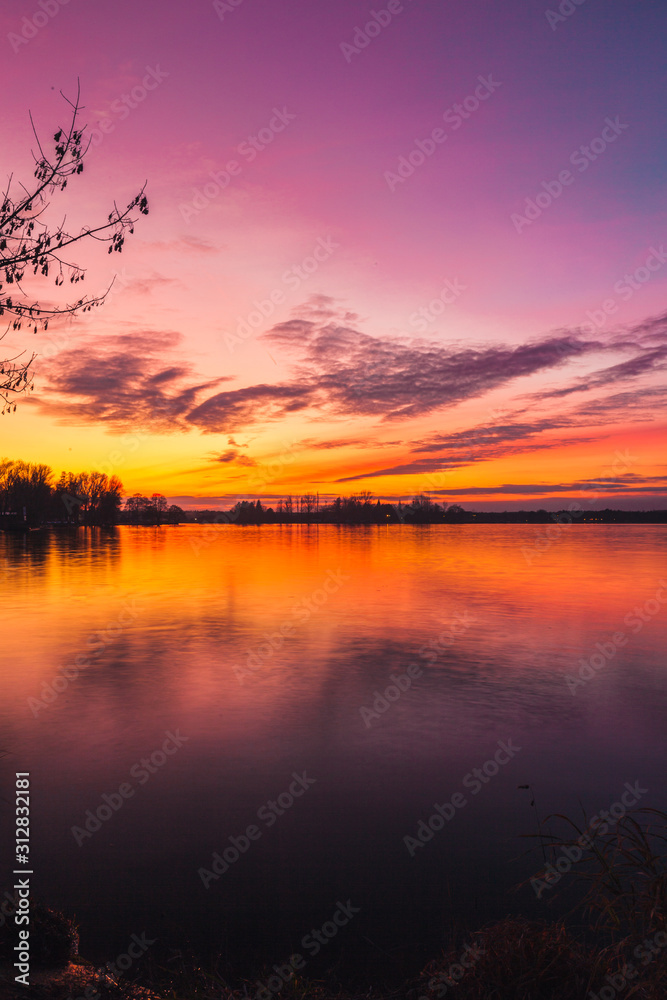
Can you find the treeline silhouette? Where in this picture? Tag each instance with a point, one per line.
(31, 496)
(362, 509)
(358, 509)
(306, 509)
(150, 510)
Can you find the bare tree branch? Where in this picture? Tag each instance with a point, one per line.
(29, 244)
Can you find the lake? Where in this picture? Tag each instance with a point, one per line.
(257, 724)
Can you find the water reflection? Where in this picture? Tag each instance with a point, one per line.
(242, 643)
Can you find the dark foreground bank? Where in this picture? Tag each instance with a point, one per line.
(619, 950)
(514, 959)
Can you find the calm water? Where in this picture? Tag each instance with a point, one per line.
(259, 647)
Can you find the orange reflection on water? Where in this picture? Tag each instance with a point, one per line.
(216, 593)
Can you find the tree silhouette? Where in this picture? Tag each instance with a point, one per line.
(158, 507)
(25, 489)
(455, 513)
(29, 244)
(423, 510)
(29, 496)
(137, 507)
(175, 514)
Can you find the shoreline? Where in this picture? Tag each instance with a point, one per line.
(221, 519)
(511, 959)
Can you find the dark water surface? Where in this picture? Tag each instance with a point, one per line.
(258, 648)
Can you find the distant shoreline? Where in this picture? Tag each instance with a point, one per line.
(482, 517)
(267, 518)
(223, 519)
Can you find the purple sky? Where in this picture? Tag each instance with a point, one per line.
(433, 245)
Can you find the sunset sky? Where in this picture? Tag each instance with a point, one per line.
(403, 247)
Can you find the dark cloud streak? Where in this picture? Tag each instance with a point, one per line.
(340, 373)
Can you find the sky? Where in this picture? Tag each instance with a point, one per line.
(405, 247)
